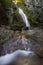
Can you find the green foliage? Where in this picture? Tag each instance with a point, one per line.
(17, 22)
(6, 3)
(36, 18)
(3, 16)
(33, 2)
(30, 15)
(39, 18)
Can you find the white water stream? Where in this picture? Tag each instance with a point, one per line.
(24, 17)
(8, 58)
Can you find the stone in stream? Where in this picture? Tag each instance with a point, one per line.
(1, 50)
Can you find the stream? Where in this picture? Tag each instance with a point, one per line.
(21, 50)
(20, 42)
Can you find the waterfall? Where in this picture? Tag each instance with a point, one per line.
(8, 58)
(24, 17)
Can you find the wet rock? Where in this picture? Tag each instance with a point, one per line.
(29, 61)
(5, 34)
(38, 38)
(1, 50)
(25, 40)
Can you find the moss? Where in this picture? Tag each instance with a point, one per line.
(17, 22)
(6, 3)
(30, 15)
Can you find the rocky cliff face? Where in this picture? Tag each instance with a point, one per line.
(33, 1)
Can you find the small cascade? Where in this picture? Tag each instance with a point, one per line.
(24, 17)
(8, 58)
(24, 42)
(25, 53)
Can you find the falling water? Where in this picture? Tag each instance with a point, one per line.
(24, 17)
(8, 58)
(24, 42)
(28, 55)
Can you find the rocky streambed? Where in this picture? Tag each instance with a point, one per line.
(25, 40)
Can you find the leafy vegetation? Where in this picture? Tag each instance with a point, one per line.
(36, 16)
(35, 19)
(17, 21)
(4, 5)
(39, 13)
(30, 15)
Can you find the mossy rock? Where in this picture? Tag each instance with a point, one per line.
(18, 23)
(5, 35)
(38, 38)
